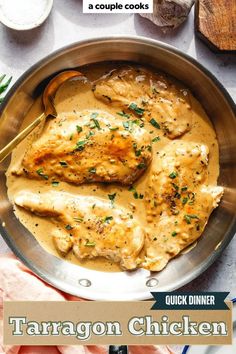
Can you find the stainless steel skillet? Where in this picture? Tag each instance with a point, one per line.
(222, 225)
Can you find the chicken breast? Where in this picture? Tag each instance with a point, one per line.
(178, 201)
(89, 147)
(90, 226)
(147, 95)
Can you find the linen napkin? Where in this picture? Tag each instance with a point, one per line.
(18, 283)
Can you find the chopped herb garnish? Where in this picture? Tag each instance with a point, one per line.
(157, 138)
(79, 128)
(63, 163)
(68, 227)
(107, 219)
(113, 128)
(139, 111)
(154, 123)
(193, 216)
(93, 206)
(90, 133)
(173, 175)
(80, 145)
(55, 183)
(137, 152)
(92, 170)
(184, 200)
(71, 136)
(126, 125)
(90, 244)
(141, 166)
(174, 233)
(123, 114)
(175, 186)
(137, 122)
(96, 124)
(183, 189)
(78, 219)
(41, 174)
(188, 218)
(112, 197)
(136, 195)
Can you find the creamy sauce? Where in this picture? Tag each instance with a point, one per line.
(76, 96)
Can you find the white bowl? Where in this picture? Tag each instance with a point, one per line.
(15, 13)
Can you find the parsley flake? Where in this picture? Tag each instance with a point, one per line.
(80, 145)
(68, 227)
(157, 138)
(112, 197)
(55, 183)
(123, 114)
(41, 174)
(141, 166)
(139, 111)
(63, 163)
(107, 219)
(79, 128)
(173, 175)
(154, 123)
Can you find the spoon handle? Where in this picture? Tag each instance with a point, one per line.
(21, 136)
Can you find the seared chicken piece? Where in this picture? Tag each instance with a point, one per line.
(178, 201)
(88, 225)
(89, 147)
(149, 95)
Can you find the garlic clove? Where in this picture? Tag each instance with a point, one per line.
(169, 13)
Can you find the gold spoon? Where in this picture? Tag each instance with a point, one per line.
(49, 109)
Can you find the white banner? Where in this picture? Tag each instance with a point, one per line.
(120, 6)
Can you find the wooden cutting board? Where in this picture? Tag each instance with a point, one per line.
(215, 23)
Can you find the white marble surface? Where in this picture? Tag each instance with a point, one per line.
(66, 25)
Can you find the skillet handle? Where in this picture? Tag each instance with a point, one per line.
(118, 349)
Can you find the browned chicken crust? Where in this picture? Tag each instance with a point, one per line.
(88, 225)
(89, 147)
(149, 95)
(178, 201)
